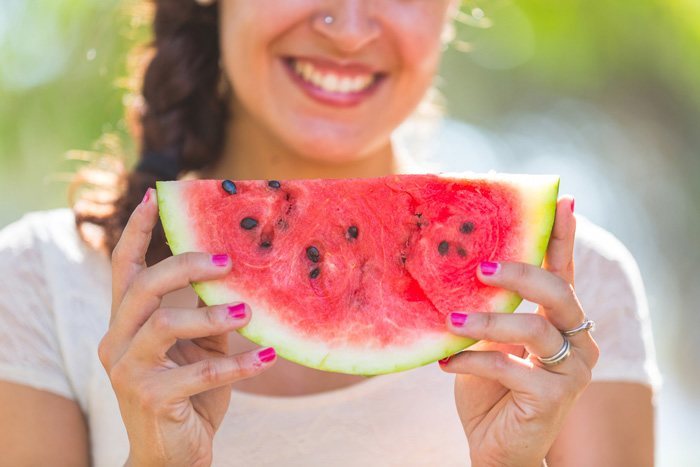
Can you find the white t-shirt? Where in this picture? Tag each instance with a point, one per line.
(55, 305)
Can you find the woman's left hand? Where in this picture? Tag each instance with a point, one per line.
(512, 406)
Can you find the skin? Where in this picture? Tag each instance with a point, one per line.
(186, 358)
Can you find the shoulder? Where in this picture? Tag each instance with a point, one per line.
(54, 303)
(42, 255)
(45, 235)
(604, 264)
(594, 244)
(610, 288)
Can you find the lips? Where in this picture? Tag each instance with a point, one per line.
(331, 83)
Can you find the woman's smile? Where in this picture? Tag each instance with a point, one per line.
(334, 83)
(328, 91)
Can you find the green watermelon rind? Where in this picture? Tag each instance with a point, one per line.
(539, 197)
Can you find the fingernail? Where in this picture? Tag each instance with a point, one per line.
(573, 202)
(444, 361)
(489, 268)
(267, 355)
(147, 196)
(237, 311)
(458, 319)
(220, 260)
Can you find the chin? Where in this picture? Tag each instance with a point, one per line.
(330, 151)
(336, 146)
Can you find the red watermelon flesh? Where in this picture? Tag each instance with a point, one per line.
(357, 275)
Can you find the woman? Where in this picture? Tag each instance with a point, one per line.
(303, 88)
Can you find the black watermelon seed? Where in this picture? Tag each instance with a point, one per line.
(249, 223)
(229, 187)
(443, 248)
(467, 228)
(266, 244)
(313, 254)
(274, 184)
(461, 252)
(315, 272)
(353, 232)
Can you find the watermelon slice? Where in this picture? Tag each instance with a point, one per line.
(357, 275)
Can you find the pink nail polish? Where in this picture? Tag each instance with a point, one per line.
(267, 355)
(220, 260)
(489, 268)
(237, 311)
(458, 319)
(573, 202)
(444, 361)
(147, 196)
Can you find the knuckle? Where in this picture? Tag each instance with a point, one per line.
(521, 271)
(500, 362)
(119, 376)
(538, 327)
(161, 321)
(488, 323)
(212, 318)
(188, 261)
(149, 399)
(104, 351)
(209, 372)
(564, 292)
(237, 369)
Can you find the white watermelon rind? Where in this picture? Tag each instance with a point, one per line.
(539, 196)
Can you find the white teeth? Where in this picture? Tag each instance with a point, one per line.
(306, 71)
(346, 85)
(330, 81)
(360, 82)
(316, 78)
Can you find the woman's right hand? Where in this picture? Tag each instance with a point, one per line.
(170, 368)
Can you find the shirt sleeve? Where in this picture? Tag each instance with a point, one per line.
(30, 353)
(610, 289)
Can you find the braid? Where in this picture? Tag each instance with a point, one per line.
(182, 125)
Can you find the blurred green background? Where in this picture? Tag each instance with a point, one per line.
(605, 93)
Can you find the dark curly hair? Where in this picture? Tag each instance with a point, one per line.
(181, 121)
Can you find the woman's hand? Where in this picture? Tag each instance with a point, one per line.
(512, 406)
(170, 368)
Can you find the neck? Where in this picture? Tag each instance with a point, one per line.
(251, 153)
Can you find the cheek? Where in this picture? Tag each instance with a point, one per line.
(247, 31)
(416, 37)
(417, 32)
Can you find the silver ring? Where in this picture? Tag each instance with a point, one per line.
(587, 325)
(558, 357)
(328, 19)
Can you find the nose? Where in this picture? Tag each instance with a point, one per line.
(349, 24)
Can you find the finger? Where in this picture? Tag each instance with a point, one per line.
(512, 372)
(167, 325)
(533, 331)
(147, 290)
(555, 294)
(560, 251)
(557, 298)
(128, 256)
(212, 373)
